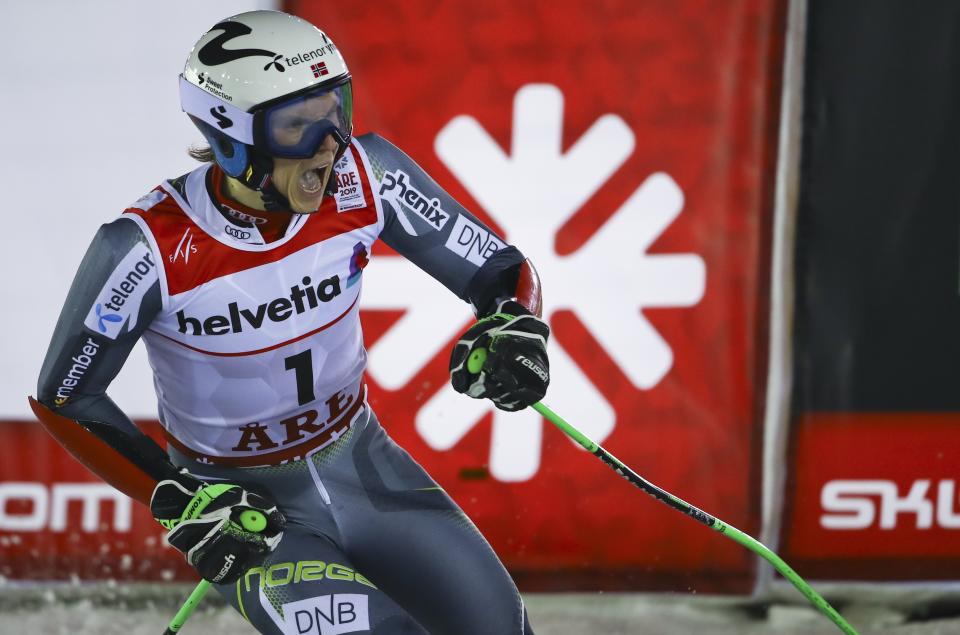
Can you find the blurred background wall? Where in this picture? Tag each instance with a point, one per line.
(652, 160)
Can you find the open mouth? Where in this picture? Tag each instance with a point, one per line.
(311, 181)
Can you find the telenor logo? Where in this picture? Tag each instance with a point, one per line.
(299, 300)
(103, 319)
(119, 299)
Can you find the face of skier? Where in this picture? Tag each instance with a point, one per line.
(303, 181)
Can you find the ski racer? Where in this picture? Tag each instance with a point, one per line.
(242, 278)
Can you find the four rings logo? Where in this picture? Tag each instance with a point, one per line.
(239, 234)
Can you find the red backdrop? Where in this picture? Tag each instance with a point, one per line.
(697, 85)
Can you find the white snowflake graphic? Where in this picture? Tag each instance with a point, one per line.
(531, 193)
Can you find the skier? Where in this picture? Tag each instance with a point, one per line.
(243, 278)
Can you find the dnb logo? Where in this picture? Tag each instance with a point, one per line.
(531, 194)
(327, 615)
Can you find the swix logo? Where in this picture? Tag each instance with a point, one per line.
(222, 120)
(531, 194)
(397, 188)
(184, 248)
(47, 507)
(300, 299)
(859, 504)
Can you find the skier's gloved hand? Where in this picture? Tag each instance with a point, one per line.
(515, 373)
(206, 524)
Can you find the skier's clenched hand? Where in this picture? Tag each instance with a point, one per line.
(515, 372)
(205, 524)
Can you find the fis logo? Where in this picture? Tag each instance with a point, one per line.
(184, 248)
(399, 191)
(122, 293)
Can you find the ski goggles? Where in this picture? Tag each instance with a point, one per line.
(290, 127)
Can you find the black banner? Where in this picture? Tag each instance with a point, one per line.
(878, 264)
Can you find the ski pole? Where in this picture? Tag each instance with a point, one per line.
(475, 365)
(251, 520)
(699, 515)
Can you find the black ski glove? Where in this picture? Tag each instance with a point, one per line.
(514, 372)
(212, 525)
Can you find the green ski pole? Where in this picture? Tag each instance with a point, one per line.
(251, 520)
(701, 516)
(475, 364)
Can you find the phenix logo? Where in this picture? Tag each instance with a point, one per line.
(531, 193)
(398, 189)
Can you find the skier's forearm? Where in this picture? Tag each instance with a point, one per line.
(128, 460)
(506, 275)
(113, 298)
(423, 223)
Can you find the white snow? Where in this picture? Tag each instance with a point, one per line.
(146, 609)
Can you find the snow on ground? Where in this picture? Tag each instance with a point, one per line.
(114, 612)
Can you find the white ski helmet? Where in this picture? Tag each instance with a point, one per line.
(266, 84)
